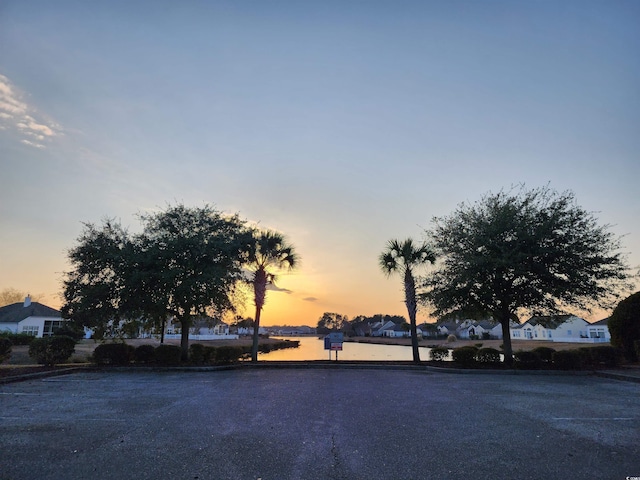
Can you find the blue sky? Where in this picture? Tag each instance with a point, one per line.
(342, 124)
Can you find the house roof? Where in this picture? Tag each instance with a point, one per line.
(551, 321)
(601, 322)
(16, 312)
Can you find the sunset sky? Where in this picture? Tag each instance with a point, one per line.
(342, 124)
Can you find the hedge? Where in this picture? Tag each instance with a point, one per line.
(567, 360)
(5, 349)
(144, 354)
(168, 354)
(545, 353)
(113, 354)
(439, 354)
(464, 355)
(51, 350)
(527, 360)
(488, 355)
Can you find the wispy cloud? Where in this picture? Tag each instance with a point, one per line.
(275, 288)
(16, 113)
(310, 299)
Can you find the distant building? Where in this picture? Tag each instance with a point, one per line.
(31, 318)
(562, 328)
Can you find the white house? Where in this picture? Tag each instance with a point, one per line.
(32, 318)
(599, 331)
(558, 328)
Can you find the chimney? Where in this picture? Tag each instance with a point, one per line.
(27, 301)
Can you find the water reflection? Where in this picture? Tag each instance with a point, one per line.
(312, 348)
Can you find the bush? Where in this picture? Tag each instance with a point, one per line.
(451, 338)
(51, 350)
(228, 354)
(624, 326)
(544, 353)
(18, 338)
(488, 355)
(567, 360)
(5, 349)
(113, 354)
(196, 353)
(168, 354)
(600, 355)
(527, 360)
(144, 354)
(68, 331)
(439, 354)
(464, 355)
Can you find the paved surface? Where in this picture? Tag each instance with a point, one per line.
(318, 424)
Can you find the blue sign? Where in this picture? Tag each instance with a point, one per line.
(331, 341)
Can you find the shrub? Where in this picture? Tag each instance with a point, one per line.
(51, 350)
(624, 326)
(197, 354)
(18, 338)
(113, 354)
(488, 355)
(600, 355)
(69, 331)
(228, 354)
(464, 355)
(545, 353)
(168, 354)
(5, 349)
(451, 338)
(144, 354)
(567, 360)
(527, 360)
(637, 347)
(439, 354)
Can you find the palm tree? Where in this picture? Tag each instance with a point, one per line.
(269, 251)
(404, 257)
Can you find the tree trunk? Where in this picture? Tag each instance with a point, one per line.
(260, 292)
(164, 322)
(184, 339)
(506, 340)
(412, 308)
(256, 336)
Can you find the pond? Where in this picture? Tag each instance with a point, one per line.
(312, 348)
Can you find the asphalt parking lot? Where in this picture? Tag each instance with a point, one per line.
(318, 424)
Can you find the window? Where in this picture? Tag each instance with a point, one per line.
(50, 326)
(568, 332)
(31, 330)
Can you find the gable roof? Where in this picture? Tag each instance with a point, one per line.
(601, 322)
(16, 312)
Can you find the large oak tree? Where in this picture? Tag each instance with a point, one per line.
(520, 251)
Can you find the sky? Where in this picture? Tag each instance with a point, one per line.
(342, 124)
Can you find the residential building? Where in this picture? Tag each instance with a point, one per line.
(32, 318)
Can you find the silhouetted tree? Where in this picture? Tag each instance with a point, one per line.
(405, 257)
(523, 250)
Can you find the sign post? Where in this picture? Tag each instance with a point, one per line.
(333, 343)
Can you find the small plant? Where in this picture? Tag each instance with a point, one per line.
(599, 355)
(5, 349)
(168, 354)
(144, 354)
(439, 354)
(113, 354)
(527, 360)
(567, 360)
(196, 353)
(452, 338)
(488, 355)
(50, 351)
(228, 354)
(465, 356)
(18, 338)
(545, 353)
